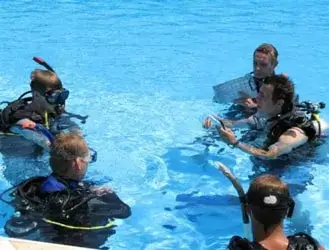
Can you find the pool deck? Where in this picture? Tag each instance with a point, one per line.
(17, 244)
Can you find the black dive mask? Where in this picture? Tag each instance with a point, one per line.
(58, 96)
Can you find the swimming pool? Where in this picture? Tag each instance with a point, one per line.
(143, 73)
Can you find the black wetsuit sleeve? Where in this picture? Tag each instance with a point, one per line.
(238, 243)
(111, 206)
(302, 241)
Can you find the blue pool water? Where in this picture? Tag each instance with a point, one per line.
(143, 72)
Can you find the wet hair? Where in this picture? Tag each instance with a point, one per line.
(269, 200)
(268, 49)
(283, 88)
(66, 148)
(44, 80)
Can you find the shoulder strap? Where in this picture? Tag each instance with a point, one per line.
(238, 243)
(277, 130)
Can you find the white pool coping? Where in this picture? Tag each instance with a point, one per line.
(18, 244)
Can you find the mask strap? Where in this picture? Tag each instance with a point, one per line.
(291, 206)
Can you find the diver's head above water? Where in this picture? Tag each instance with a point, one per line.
(47, 84)
(44, 81)
(69, 156)
(269, 202)
(265, 59)
(276, 95)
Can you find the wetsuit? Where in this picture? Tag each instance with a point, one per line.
(49, 206)
(34, 108)
(287, 121)
(299, 241)
(37, 109)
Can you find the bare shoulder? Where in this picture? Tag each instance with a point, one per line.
(294, 136)
(294, 132)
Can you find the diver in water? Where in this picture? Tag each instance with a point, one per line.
(268, 203)
(265, 60)
(61, 208)
(46, 107)
(287, 126)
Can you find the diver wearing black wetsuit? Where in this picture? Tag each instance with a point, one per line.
(49, 206)
(46, 106)
(61, 208)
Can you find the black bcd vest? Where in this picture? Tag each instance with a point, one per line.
(288, 121)
(33, 108)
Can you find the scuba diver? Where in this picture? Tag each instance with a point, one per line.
(265, 60)
(268, 202)
(61, 208)
(287, 125)
(45, 107)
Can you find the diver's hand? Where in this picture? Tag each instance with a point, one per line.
(100, 191)
(227, 135)
(27, 123)
(246, 102)
(208, 122)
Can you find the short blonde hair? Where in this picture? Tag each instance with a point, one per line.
(66, 148)
(43, 80)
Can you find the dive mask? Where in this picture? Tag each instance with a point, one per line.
(57, 96)
(93, 155)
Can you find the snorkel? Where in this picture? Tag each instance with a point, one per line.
(56, 96)
(268, 204)
(43, 63)
(242, 196)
